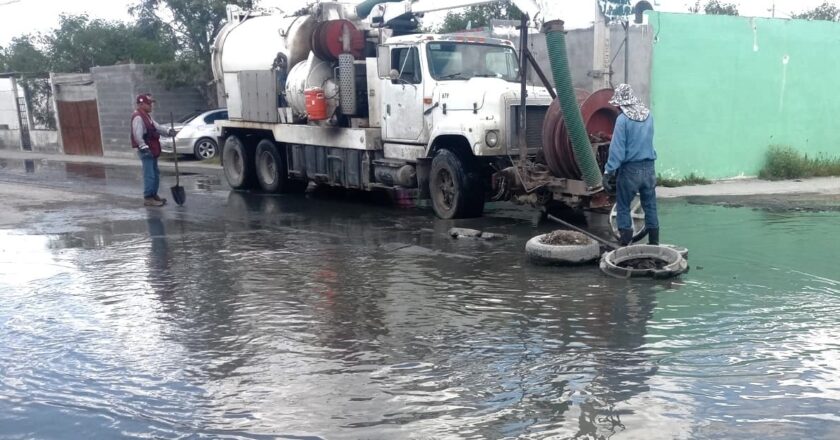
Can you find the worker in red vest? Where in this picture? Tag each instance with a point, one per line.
(145, 137)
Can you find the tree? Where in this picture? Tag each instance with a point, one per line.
(193, 24)
(32, 66)
(24, 56)
(825, 11)
(715, 7)
(80, 43)
(478, 16)
(616, 9)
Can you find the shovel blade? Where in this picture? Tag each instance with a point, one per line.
(179, 195)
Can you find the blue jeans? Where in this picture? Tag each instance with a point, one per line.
(151, 173)
(636, 178)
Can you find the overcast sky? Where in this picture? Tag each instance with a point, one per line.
(31, 16)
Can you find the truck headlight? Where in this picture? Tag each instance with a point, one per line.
(492, 138)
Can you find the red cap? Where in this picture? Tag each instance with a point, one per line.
(145, 98)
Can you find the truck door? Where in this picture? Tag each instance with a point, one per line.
(402, 96)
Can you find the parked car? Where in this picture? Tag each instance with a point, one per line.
(196, 134)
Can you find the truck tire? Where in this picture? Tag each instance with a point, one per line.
(455, 191)
(238, 164)
(272, 171)
(565, 254)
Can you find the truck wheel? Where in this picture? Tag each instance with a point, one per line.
(272, 171)
(238, 164)
(455, 193)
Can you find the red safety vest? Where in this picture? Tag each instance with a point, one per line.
(152, 137)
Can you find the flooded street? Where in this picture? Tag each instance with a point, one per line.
(336, 317)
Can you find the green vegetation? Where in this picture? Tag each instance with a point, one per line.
(826, 11)
(689, 180)
(77, 44)
(714, 7)
(175, 36)
(784, 162)
(474, 17)
(213, 161)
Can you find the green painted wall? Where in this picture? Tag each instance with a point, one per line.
(726, 88)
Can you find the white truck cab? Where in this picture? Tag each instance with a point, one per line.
(434, 86)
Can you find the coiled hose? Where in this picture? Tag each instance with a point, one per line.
(585, 157)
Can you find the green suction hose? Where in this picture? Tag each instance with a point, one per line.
(585, 157)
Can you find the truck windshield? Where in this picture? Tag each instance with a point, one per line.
(453, 61)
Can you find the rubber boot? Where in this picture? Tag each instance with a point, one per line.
(625, 237)
(653, 236)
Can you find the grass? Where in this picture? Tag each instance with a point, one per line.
(784, 162)
(214, 161)
(691, 179)
(182, 159)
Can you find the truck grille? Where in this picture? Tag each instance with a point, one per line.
(535, 115)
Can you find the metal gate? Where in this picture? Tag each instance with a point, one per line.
(23, 121)
(80, 134)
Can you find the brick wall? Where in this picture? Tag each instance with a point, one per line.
(116, 88)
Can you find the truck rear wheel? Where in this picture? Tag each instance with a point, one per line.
(238, 163)
(272, 170)
(455, 191)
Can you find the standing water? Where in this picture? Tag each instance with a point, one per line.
(312, 319)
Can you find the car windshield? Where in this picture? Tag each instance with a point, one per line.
(462, 61)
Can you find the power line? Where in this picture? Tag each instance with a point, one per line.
(9, 2)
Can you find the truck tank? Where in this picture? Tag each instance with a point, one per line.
(254, 43)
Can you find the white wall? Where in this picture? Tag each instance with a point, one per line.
(8, 106)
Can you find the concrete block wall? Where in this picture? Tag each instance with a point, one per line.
(116, 88)
(9, 139)
(8, 104)
(44, 141)
(73, 87)
(580, 47)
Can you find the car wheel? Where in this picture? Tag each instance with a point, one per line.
(205, 148)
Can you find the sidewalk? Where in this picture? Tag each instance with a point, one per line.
(748, 187)
(734, 187)
(185, 165)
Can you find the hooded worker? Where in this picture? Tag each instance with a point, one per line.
(145, 138)
(631, 164)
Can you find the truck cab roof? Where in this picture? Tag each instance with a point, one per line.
(458, 38)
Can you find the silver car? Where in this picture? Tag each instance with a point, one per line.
(196, 134)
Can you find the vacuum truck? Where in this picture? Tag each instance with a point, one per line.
(352, 95)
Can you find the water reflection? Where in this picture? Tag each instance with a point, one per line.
(306, 317)
(85, 170)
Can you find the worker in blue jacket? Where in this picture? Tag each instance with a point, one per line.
(630, 168)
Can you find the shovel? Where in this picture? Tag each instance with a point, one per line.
(178, 193)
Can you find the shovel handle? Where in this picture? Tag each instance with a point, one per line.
(174, 149)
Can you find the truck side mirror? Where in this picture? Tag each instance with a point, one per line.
(383, 57)
(394, 75)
